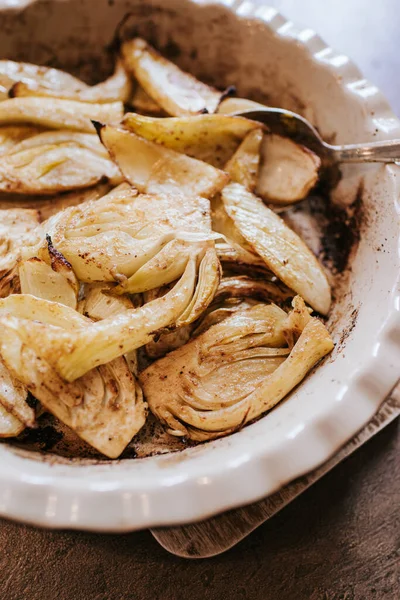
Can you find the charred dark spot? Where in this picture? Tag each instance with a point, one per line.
(129, 452)
(12, 92)
(228, 92)
(172, 50)
(56, 258)
(45, 438)
(98, 127)
(347, 331)
(31, 401)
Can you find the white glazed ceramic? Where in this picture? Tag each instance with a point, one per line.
(266, 57)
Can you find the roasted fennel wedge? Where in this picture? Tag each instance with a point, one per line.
(51, 279)
(99, 302)
(144, 105)
(153, 168)
(17, 228)
(52, 162)
(288, 171)
(244, 165)
(54, 113)
(10, 426)
(283, 251)
(12, 135)
(105, 407)
(73, 346)
(232, 373)
(139, 241)
(13, 398)
(177, 92)
(50, 204)
(231, 106)
(12, 72)
(118, 87)
(210, 138)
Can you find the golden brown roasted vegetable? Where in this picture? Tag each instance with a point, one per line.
(51, 279)
(104, 407)
(144, 105)
(153, 168)
(11, 135)
(118, 87)
(242, 286)
(49, 205)
(283, 251)
(233, 248)
(244, 164)
(73, 346)
(210, 138)
(17, 227)
(13, 398)
(139, 241)
(177, 92)
(230, 106)
(55, 161)
(99, 302)
(288, 171)
(54, 113)
(12, 72)
(236, 293)
(232, 373)
(10, 426)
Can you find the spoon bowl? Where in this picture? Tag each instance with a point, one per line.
(290, 124)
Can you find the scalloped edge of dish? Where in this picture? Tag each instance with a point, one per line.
(115, 505)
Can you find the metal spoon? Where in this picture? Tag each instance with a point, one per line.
(295, 126)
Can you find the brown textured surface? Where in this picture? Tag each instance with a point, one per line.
(339, 540)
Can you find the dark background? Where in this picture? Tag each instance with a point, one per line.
(338, 541)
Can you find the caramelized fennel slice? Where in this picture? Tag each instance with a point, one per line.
(13, 398)
(230, 106)
(57, 283)
(12, 135)
(152, 168)
(17, 228)
(73, 345)
(242, 286)
(10, 426)
(104, 407)
(53, 167)
(12, 72)
(49, 205)
(99, 302)
(244, 165)
(55, 113)
(177, 92)
(282, 250)
(139, 241)
(288, 171)
(233, 249)
(144, 105)
(118, 87)
(210, 138)
(232, 373)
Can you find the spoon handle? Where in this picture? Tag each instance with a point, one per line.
(385, 152)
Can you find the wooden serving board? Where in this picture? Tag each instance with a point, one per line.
(218, 534)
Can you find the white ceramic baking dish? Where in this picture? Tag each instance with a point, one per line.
(268, 59)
